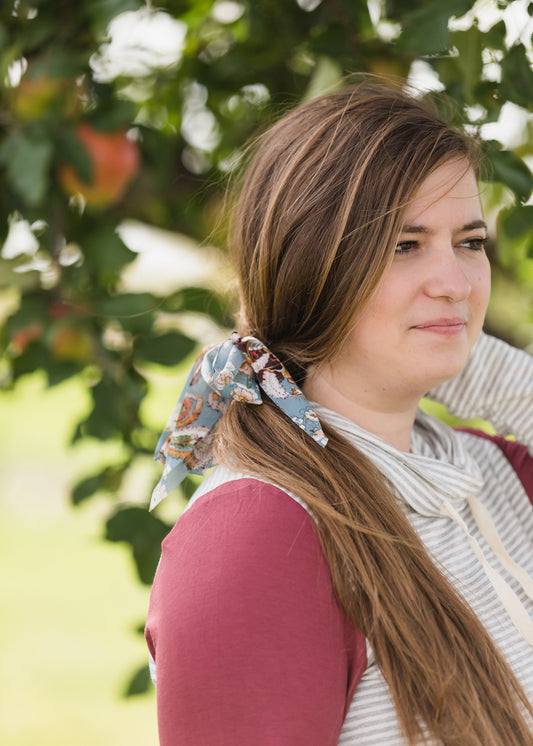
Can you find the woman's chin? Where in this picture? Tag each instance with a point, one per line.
(432, 378)
(431, 381)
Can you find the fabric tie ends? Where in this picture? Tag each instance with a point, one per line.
(236, 370)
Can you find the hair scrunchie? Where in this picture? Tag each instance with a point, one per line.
(235, 369)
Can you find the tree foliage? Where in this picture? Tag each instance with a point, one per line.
(101, 121)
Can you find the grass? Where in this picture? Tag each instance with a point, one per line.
(70, 601)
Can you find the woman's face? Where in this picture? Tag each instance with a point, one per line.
(421, 322)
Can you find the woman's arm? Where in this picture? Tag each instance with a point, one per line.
(496, 385)
(249, 642)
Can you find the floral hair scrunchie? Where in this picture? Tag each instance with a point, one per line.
(236, 369)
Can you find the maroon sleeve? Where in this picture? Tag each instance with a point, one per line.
(249, 643)
(518, 456)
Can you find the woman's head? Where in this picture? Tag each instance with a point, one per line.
(418, 327)
(321, 210)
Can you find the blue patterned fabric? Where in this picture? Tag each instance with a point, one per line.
(237, 369)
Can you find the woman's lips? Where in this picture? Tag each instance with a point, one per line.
(443, 326)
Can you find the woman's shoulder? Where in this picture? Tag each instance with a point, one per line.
(243, 519)
(237, 483)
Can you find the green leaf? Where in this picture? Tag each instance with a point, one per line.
(134, 311)
(518, 220)
(32, 309)
(331, 40)
(200, 300)
(3, 39)
(61, 371)
(37, 357)
(489, 96)
(106, 418)
(327, 76)
(115, 116)
(139, 683)
(509, 169)
(517, 77)
(515, 238)
(115, 406)
(56, 63)
(108, 480)
(36, 33)
(105, 251)
(469, 44)
(425, 30)
(34, 357)
(494, 38)
(72, 151)
(109, 415)
(28, 161)
(166, 349)
(102, 12)
(189, 486)
(144, 532)
(85, 488)
(140, 627)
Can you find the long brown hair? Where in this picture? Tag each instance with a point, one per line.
(315, 227)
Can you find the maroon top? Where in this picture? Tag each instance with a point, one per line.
(250, 644)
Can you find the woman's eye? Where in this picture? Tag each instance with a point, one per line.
(475, 244)
(404, 247)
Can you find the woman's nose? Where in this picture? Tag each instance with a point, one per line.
(447, 277)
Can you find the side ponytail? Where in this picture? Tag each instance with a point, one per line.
(315, 228)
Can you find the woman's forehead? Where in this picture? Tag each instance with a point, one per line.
(452, 188)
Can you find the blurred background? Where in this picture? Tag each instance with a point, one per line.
(121, 123)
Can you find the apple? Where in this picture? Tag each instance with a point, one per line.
(22, 337)
(34, 96)
(115, 161)
(72, 343)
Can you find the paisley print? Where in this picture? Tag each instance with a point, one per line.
(238, 369)
(190, 409)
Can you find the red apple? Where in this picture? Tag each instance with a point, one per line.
(22, 337)
(115, 161)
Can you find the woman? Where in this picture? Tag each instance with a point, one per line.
(354, 571)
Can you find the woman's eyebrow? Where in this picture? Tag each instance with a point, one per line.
(473, 225)
(415, 229)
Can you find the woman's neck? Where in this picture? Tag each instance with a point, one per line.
(380, 413)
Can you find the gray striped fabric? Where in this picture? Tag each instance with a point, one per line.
(371, 720)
